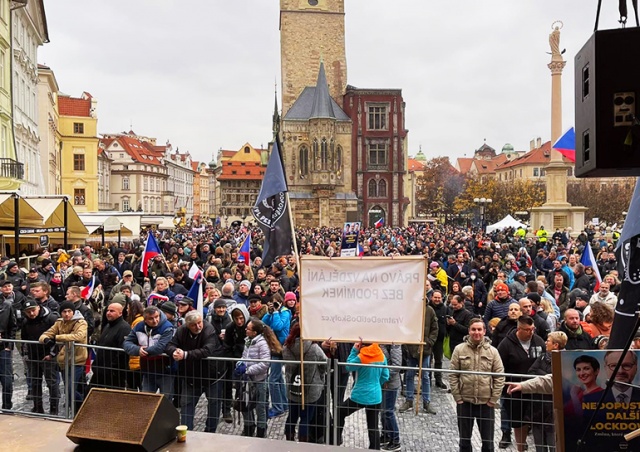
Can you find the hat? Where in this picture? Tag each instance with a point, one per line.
(534, 297)
(4, 282)
(219, 303)
(170, 275)
(225, 270)
(582, 294)
(30, 303)
(501, 286)
(11, 265)
(119, 298)
(33, 270)
(434, 265)
(46, 262)
(290, 296)
(168, 307)
(67, 305)
(127, 273)
(254, 297)
(185, 300)
(246, 283)
(521, 273)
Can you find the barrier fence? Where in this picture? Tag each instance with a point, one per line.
(212, 396)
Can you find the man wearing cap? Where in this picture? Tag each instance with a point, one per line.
(45, 271)
(171, 311)
(16, 299)
(110, 367)
(40, 358)
(17, 277)
(184, 305)
(499, 306)
(33, 276)
(174, 286)
(128, 280)
(242, 295)
(517, 287)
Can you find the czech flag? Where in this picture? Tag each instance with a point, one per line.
(379, 223)
(151, 250)
(588, 259)
(195, 272)
(245, 251)
(195, 293)
(155, 299)
(88, 289)
(359, 250)
(566, 144)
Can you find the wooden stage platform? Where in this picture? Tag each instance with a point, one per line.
(28, 434)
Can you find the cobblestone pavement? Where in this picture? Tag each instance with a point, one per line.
(418, 433)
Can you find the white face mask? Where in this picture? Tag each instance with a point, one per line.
(473, 277)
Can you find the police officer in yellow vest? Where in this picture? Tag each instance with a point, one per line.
(542, 237)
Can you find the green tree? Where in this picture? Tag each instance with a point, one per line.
(604, 200)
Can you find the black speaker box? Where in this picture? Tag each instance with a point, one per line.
(607, 90)
(124, 421)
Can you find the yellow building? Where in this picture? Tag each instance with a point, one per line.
(204, 193)
(196, 191)
(11, 171)
(79, 139)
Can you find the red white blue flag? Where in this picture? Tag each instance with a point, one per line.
(88, 289)
(151, 250)
(379, 223)
(566, 144)
(245, 251)
(589, 260)
(155, 299)
(360, 250)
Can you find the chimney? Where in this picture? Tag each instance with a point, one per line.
(539, 142)
(532, 145)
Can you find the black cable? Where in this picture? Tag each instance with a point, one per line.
(581, 444)
(597, 15)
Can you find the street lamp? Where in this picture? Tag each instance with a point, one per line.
(483, 203)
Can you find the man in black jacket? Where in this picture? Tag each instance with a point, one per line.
(74, 295)
(220, 319)
(193, 342)
(17, 299)
(110, 367)
(8, 327)
(458, 320)
(40, 358)
(577, 339)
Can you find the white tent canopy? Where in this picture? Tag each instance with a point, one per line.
(506, 222)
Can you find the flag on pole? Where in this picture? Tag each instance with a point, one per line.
(194, 271)
(245, 251)
(271, 210)
(379, 223)
(628, 256)
(88, 289)
(195, 293)
(155, 299)
(566, 144)
(151, 250)
(360, 250)
(589, 260)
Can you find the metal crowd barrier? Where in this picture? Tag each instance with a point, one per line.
(327, 417)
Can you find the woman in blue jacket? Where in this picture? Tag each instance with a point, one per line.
(367, 389)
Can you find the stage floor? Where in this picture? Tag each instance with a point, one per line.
(22, 433)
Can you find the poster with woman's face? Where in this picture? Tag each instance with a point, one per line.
(583, 377)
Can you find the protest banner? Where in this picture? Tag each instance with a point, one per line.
(579, 381)
(350, 232)
(378, 299)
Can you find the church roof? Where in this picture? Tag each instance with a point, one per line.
(315, 102)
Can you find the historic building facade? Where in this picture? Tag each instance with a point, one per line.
(30, 31)
(379, 155)
(49, 145)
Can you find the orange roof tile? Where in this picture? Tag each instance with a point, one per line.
(538, 156)
(140, 151)
(465, 164)
(72, 106)
(415, 165)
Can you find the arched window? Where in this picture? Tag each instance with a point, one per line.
(373, 188)
(315, 166)
(332, 155)
(324, 155)
(304, 161)
(382, 188)
(338, 161)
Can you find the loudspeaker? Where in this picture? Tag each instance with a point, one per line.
(607, 96)
(124, 421)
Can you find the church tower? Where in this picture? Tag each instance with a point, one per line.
(310, 31)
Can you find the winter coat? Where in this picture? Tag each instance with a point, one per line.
(497, 308)
(476, 389)
(113, 335)
(203, 345)
(514, 358)
(58, 291)
(134, 361)
(235, 335)
(155, 340)
(367, 387)
(8, 322)
(578, 340)
(257, 349)
(542, 384)
(314, 374)
(563, 300)
(460, 329)
(33, 329)
(393, 355)
(74, 330)
(135, 289)
(279, 321)
(504, 327)
(430, 334)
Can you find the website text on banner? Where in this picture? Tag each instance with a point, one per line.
(378, 299)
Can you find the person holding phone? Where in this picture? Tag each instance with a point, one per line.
(278, 318)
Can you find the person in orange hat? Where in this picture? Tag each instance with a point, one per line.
(499, 306)
(367, 390)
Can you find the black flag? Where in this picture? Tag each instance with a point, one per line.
(628, 255)
(272, 211)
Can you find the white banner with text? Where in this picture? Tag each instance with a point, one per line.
(378, 299)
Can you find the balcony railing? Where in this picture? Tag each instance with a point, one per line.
(11, 169)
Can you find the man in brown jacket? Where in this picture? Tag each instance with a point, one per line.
(476, 395)
(71, 327)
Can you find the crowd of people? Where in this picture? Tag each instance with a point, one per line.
(495, 302)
